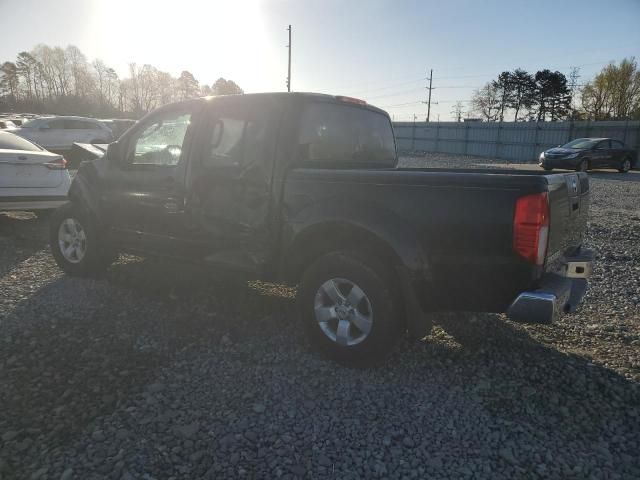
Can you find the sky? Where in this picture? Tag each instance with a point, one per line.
(377, 50)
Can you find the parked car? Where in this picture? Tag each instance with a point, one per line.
(304, 189)
(118, 126)
(7, 125)
(30, 177)
(60, 133)
(583, 154)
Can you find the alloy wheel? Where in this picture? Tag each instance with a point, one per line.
(343, 311)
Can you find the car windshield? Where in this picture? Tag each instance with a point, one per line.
(581, 144)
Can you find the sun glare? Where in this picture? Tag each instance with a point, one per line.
(208, 38)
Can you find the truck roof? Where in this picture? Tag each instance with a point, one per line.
(287, 97)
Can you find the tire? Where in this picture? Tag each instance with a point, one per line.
(548, 169)
(625, 166)
(583, 166)
(331, 280)
(87, 253)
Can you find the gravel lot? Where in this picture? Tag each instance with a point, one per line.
(161, 372)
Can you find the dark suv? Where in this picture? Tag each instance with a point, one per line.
(585, 154)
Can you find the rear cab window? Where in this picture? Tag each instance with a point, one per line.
(337, 134)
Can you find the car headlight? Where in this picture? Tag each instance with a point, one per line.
(573, 155)
(541, 156)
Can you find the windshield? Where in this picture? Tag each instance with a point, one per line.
(581, 144)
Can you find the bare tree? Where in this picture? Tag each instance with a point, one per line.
(457, 111)
(486, 102)
(52, 79)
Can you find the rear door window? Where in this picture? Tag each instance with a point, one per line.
(617, 144)
(226, 142)
(333, 133)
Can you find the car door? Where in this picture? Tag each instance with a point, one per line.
(601, 155)
(144, 186)
(229, 186)
(51, 134)
(617, 152)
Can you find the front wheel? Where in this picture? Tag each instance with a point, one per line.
(349, 308)
(625, 166)
(76, 242)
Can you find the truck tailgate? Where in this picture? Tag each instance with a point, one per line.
(569, 208)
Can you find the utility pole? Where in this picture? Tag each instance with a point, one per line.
(428, 102)
(289, 69)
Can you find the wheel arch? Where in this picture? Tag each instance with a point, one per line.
(391, 242)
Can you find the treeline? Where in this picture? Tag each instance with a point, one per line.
(614, 94)
(63, 81)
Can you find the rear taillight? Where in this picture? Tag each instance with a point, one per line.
(531, 227)
(57, 164)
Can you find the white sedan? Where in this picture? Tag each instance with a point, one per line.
(31, 178)
(60, 133)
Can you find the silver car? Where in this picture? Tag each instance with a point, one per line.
(60, 133)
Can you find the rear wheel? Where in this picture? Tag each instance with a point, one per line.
(349, 308)
(583, 166)
(625, 166)
(76, 242)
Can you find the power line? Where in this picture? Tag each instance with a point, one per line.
(396, 84)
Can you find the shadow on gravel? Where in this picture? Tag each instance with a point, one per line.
(93, 346)
(21, 235)
(80, 347)
(519, 379)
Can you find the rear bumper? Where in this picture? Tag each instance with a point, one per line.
(559, 292)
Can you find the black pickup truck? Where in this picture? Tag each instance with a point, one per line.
(303, 189)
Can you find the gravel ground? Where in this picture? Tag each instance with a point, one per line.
(161, 372)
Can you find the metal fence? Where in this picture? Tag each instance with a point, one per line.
(517, 142)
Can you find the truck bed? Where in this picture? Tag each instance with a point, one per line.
(463, 219)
